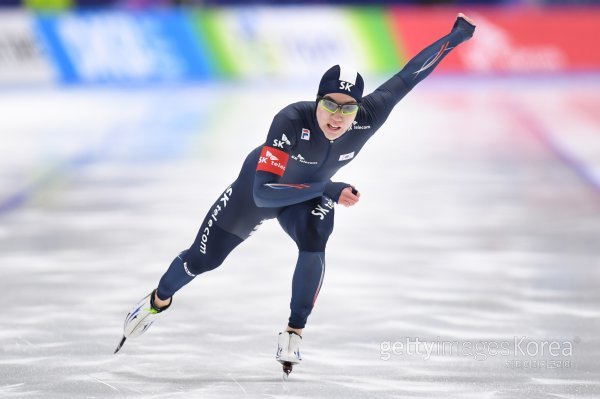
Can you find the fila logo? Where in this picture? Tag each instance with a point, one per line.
(305, 134)
(280, 143)
(346, 86)
(345, 157)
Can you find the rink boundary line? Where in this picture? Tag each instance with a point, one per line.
(545, 136)
(60, 169)
(49, 175)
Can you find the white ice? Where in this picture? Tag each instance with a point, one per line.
(473, 230)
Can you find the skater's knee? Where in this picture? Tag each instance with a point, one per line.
(313, 238)
(196, 264)
(199, 261)
(193, 264)
(210, 249)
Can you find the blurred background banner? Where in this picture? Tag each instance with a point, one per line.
(256, 42)
(117, 46)
(121, 47)
(509, 39)
(21, 57)
(123, 120)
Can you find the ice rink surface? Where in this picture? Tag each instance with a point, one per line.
(470, 268)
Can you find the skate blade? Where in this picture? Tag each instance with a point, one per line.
(287, 369)
(120, 344)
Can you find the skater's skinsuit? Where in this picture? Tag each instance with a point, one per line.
(288, 178)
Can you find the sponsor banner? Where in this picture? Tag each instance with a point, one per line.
(119, 47)
(297, 41)
(507, 39)
(22, 59)
(376, 37)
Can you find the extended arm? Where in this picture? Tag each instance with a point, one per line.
(381, 102)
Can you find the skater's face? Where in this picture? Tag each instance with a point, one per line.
(335, 114)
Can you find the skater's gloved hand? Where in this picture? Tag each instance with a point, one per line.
(333, 190)
(464, 25)
(349, 197)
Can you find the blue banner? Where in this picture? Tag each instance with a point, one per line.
(119, 47)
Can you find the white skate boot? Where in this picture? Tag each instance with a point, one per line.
(140, 318)
(288, 350)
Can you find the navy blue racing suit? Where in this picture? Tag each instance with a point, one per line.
(289, 176)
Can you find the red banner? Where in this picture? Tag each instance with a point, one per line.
(272, 160)
(507, 39)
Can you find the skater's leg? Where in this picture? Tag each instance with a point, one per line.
(309, 224)
(310, 230)
(206, 253)
(172, 280)
(230, 220)
(306, 283)
(203, 255)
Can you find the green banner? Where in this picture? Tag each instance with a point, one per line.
(374, 27)
(255, 42)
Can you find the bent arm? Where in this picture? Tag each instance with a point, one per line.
(268, 193)
(268, 190)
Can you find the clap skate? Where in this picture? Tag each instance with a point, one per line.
(140, 318)
(288, 351)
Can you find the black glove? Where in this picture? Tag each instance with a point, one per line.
(465, 28)
(333, 190)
